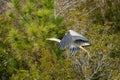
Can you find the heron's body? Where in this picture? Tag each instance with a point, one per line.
(73, 40)
(73, 49)
(72, 37)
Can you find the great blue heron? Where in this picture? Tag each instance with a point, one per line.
(73, 49)
(73, 40)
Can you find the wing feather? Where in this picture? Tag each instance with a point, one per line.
(72, 37)
(79, 39)
(66, 41)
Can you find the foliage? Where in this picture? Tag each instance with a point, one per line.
(26, 55)
(98, 23)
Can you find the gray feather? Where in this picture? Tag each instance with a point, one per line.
(66, 41)
(74, 49)
(72, 37)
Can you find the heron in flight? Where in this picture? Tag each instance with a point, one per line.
(74, 41)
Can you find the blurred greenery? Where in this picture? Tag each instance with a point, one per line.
(26, 55)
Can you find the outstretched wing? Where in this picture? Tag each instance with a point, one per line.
(73, 37)
(66, 41)
(79, 39)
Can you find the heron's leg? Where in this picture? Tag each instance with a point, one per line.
(84, 50)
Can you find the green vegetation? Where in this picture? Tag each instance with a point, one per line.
(26, 55)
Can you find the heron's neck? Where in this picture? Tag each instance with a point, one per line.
(54, 39)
